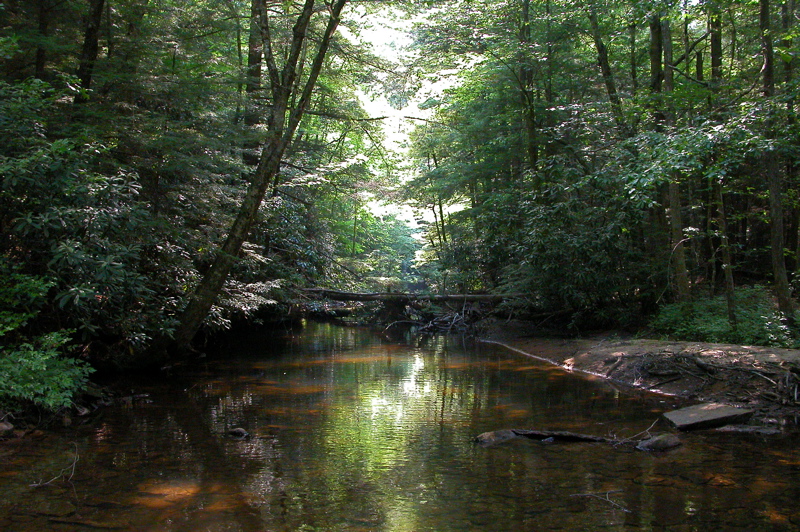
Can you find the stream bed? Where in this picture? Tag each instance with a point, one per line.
(349, 431)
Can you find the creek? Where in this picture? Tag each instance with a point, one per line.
(349, 431)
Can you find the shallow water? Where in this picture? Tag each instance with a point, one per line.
(349, 431)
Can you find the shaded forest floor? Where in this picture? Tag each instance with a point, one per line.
(765, 379)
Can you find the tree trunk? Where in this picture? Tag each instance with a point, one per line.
(90, 46)
(682, 286)
(608, 74)
(656, 70)
(43, 23)
(441, 217)
(526, 86)
(282, 124)
(727, 261)
(633, 57)
(254, 59)
(793, 224)
(253, 86)
(773, 173)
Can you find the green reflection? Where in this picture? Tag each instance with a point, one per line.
(351, 432)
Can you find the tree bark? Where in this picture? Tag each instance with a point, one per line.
(793, 224)
(91, 46)
(656, 70)
(282, 124)
(634, 63)
(682, 286)
(254, 59)
(727, 261)
(253, 85)
(715, 27)
(43, 23)
(526, 86)
(608, 74)
(773, 173)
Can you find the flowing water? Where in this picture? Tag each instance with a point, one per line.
(351, 432)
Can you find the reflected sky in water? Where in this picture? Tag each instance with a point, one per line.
(351, 431)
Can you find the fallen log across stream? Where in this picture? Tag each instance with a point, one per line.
(398, 297)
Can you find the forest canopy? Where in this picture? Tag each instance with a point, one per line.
(172, 167)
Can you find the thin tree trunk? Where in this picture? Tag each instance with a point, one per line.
(43, 22)
(608, 74)
(634, 64)
(441, 217)
(727, 261)
(355, 232)
(773, 173)
(793, 225)
(253, 86)
(240, 84)
(715, 30)
(526, 92)
(91, 46)
(683, 286)
(283, 123)
(656, 70)
(440, 245)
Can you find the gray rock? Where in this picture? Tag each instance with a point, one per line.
(495, 436)
(707, 416)
(238, 432)
(749, 429)
(660, 442)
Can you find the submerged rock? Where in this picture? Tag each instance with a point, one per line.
(749, 429)
(238, 433)
(660, 442)
(495, 436)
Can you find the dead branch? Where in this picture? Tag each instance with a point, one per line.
(70, 468)
(645, 432)
(603, 496)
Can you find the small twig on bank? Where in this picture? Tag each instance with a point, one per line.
(667, 381)
(70, 468)
(754, 372)
(604, 498)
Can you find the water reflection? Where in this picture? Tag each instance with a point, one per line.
(351, 432)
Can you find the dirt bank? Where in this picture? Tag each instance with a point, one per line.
(765, 379)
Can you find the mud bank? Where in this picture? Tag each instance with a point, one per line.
(762, 378)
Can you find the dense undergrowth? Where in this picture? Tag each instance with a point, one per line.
(757, 320)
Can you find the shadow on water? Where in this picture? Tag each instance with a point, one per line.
(348, 431)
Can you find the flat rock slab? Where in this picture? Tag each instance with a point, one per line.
(707, 416)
